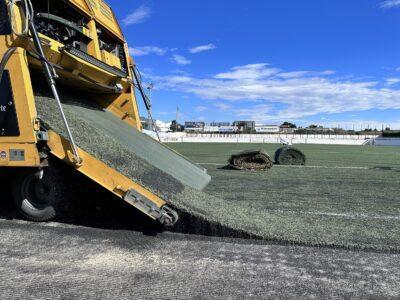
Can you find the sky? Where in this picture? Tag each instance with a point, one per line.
(327, 62)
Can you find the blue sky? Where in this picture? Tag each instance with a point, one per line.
(312, 61)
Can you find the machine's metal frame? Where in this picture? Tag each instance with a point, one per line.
(82, 72)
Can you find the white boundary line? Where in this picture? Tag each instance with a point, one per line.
(323, 167)
(312, 167)
(343, 215)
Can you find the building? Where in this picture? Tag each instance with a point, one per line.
(163, 127)
(267, 129)
(245, 126)
(146, 123)
(194, 126)
(220, 124)
(160, 125)
(286, 129)
(228, 129)
(313, 129)
(211, 129)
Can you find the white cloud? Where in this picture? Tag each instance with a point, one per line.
(201, 108)
(141, 14)
(255, 113)
(181, 60)
(297, 74)
(390, 3)
(180, 72)
(271, 96)
(146, 50)
(392, 81)
(202, 48)
(222, 106)
(163, 113)
(248, 72)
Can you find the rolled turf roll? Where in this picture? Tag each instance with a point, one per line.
(250, 160)
(289, 156)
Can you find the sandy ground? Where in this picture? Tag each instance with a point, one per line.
(59, 261)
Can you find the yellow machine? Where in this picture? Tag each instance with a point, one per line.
(78, 45)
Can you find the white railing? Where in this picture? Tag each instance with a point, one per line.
(267, 138)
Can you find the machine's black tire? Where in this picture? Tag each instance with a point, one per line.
(39, 200)
(289, 156)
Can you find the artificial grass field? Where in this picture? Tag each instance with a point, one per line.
(345, 196)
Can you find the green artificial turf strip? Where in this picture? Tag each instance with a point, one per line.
(113, 141)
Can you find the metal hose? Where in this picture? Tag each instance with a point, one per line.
(147, 102)
(28, 10)
(50, 76)
(29, 26)
(5, 59)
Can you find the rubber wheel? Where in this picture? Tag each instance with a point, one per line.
(36, 199)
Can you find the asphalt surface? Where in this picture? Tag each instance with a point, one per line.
(61, 261)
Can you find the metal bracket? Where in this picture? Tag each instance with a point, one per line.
(93, 61)
(165, 215)
(42, 136)
(36, 124)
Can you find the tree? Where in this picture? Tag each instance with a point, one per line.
(174, 126)
(288, 124)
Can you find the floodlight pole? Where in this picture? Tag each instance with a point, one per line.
(150, 117)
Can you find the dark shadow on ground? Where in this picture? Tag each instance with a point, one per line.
(7, 210)
(230, 168)
(386, 168)
(93, 206)
(226, 167)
